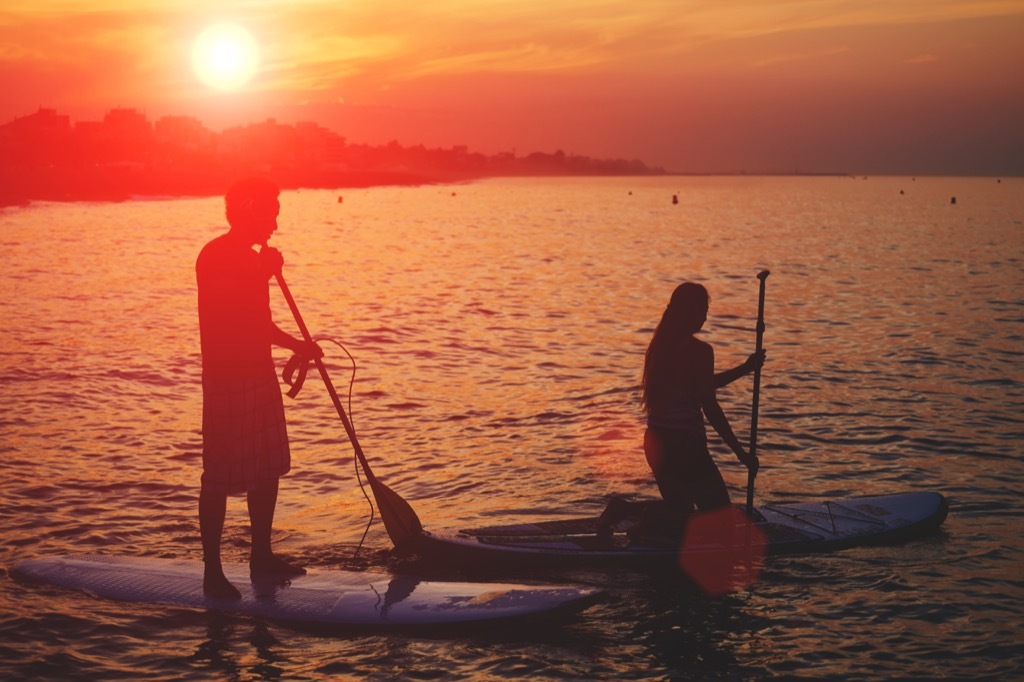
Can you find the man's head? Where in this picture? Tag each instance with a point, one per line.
(252, 207)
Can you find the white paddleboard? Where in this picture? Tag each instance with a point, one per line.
(322, 596)
(786, 528)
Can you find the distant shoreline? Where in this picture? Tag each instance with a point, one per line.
(124, 183)
(120, 184)
(46, 157)
(43, 157)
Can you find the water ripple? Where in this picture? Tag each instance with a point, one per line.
(499, 336)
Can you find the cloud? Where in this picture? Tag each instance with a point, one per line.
(799, 56)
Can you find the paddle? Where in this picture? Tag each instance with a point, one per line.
(400, 521)
(751, 474)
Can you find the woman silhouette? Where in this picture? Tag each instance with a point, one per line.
(679, 384)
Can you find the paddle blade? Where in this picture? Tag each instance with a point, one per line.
(400, 521)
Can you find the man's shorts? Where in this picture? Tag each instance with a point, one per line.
(244, 436)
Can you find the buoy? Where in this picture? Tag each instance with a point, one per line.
(341, 200)
(675, 199)
(952, 200)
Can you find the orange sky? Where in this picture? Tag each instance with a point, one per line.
(862, 86)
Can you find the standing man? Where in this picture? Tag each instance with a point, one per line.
(245, 444)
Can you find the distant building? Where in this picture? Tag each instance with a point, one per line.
(128, 122)
(322, 146)
(128, 136)
(44, 121)
(39, 139)
(185, 132)
(183, 141)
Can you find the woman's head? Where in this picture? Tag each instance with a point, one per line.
(688, 308)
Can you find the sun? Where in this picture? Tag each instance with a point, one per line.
(225, 56)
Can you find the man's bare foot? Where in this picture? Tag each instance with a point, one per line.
(217, 586)
(274, 565)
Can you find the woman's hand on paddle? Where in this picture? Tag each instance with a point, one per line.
(755, 361)
(751, 463)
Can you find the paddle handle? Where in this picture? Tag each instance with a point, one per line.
(327, 380)
(751, 474)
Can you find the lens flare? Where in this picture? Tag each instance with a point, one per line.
(722, 551)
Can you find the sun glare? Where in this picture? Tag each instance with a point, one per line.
(225, 56)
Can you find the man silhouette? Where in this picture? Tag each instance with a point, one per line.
(245, 443)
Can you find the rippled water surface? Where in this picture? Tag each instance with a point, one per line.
(499, 330)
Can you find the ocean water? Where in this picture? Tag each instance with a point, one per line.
(499, 329)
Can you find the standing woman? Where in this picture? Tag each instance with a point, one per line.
(679, 383)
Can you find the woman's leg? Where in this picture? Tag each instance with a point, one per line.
(666, 459)
(703, 479)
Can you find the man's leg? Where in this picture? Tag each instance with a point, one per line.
(262, 503)
(212, 508)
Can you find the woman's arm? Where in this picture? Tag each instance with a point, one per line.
(716, 416)
(755, 361)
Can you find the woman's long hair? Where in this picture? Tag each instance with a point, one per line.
(683, 317)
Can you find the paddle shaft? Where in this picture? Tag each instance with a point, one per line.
(327, 380)
(751, 474)
(399, 519)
